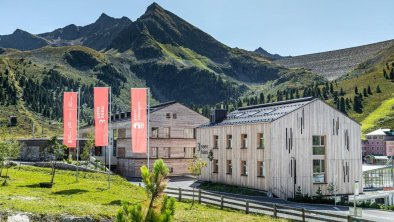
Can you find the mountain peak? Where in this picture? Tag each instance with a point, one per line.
(19, 31)
(104, 17)
(264, 52)
(154, 7)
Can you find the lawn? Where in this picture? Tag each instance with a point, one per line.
(230, 189)
(90, 197)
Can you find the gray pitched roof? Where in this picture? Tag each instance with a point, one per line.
(263, 113)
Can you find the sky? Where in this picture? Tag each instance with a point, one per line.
(286, 27)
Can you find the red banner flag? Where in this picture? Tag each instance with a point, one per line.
(138, 120)
(101, 116)
(70, 119)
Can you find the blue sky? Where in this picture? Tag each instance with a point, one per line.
(287, 27)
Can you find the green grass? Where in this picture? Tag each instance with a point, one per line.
(89, 197)
(384, 110)
(230, 189)
(212, 213)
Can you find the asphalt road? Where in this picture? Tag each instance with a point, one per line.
(369, 214)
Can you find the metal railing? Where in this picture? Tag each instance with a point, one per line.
(254, 207)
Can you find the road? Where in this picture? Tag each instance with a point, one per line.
(369, 214)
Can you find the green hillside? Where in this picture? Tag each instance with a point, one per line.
(377, 108)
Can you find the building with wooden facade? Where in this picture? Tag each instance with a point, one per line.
(172, 138)
(281, 146)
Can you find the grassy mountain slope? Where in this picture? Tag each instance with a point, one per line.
(334, 64)
(378, 108)
(40, 76)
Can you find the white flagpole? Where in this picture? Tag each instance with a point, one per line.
(78, 113)
(148, 130)
(110, 138)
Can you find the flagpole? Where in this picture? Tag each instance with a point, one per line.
(110, 138)
(78, 113)
(148, 130)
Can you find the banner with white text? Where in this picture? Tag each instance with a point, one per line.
(70, 108)
(139, 120)
(101, 116)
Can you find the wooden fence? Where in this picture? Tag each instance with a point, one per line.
(254, 207)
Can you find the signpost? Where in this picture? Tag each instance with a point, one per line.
(354, 211)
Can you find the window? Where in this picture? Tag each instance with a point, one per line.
(215, 141)
(155, 132)
(114, 148)
(244, 171)
(188, 152)
(174, 116)
(318, 145)
(318, 171)
(98, 151)
(188, 133)
(260, 141)
(167, 133)
(244, 141)
(153, 152)
(260, 169)
(215, 166)
(229, 142)
(229, 167)
(165, 152)
(347, 139)
(168, 115)
(171, 169)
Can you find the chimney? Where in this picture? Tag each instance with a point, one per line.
(218, 115)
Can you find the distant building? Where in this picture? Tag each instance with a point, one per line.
(172, 138)
(35, 149)
(377, 142)
(279, 146)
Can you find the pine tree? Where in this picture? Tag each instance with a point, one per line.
(357, 105)
(331, 88)
(378, 89)
(369, 90)
(355, 90)
(342, 106)
(262, 99)
(385, 73)
(392, 74)
(365, 92)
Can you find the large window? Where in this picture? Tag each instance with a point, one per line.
(229, 167)
(244, 168)
(260, 141)
(215, 141)
(215, 166)
(244, 141)
(155, 132)
(153, 152)
(318, 145)
(319, 171)
(167, 133)
(188, 133)
(229, 141)
(260, 169)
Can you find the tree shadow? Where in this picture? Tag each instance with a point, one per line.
(36, 185)
(120, 202)
(70, 192)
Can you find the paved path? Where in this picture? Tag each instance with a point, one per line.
(369, 214)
